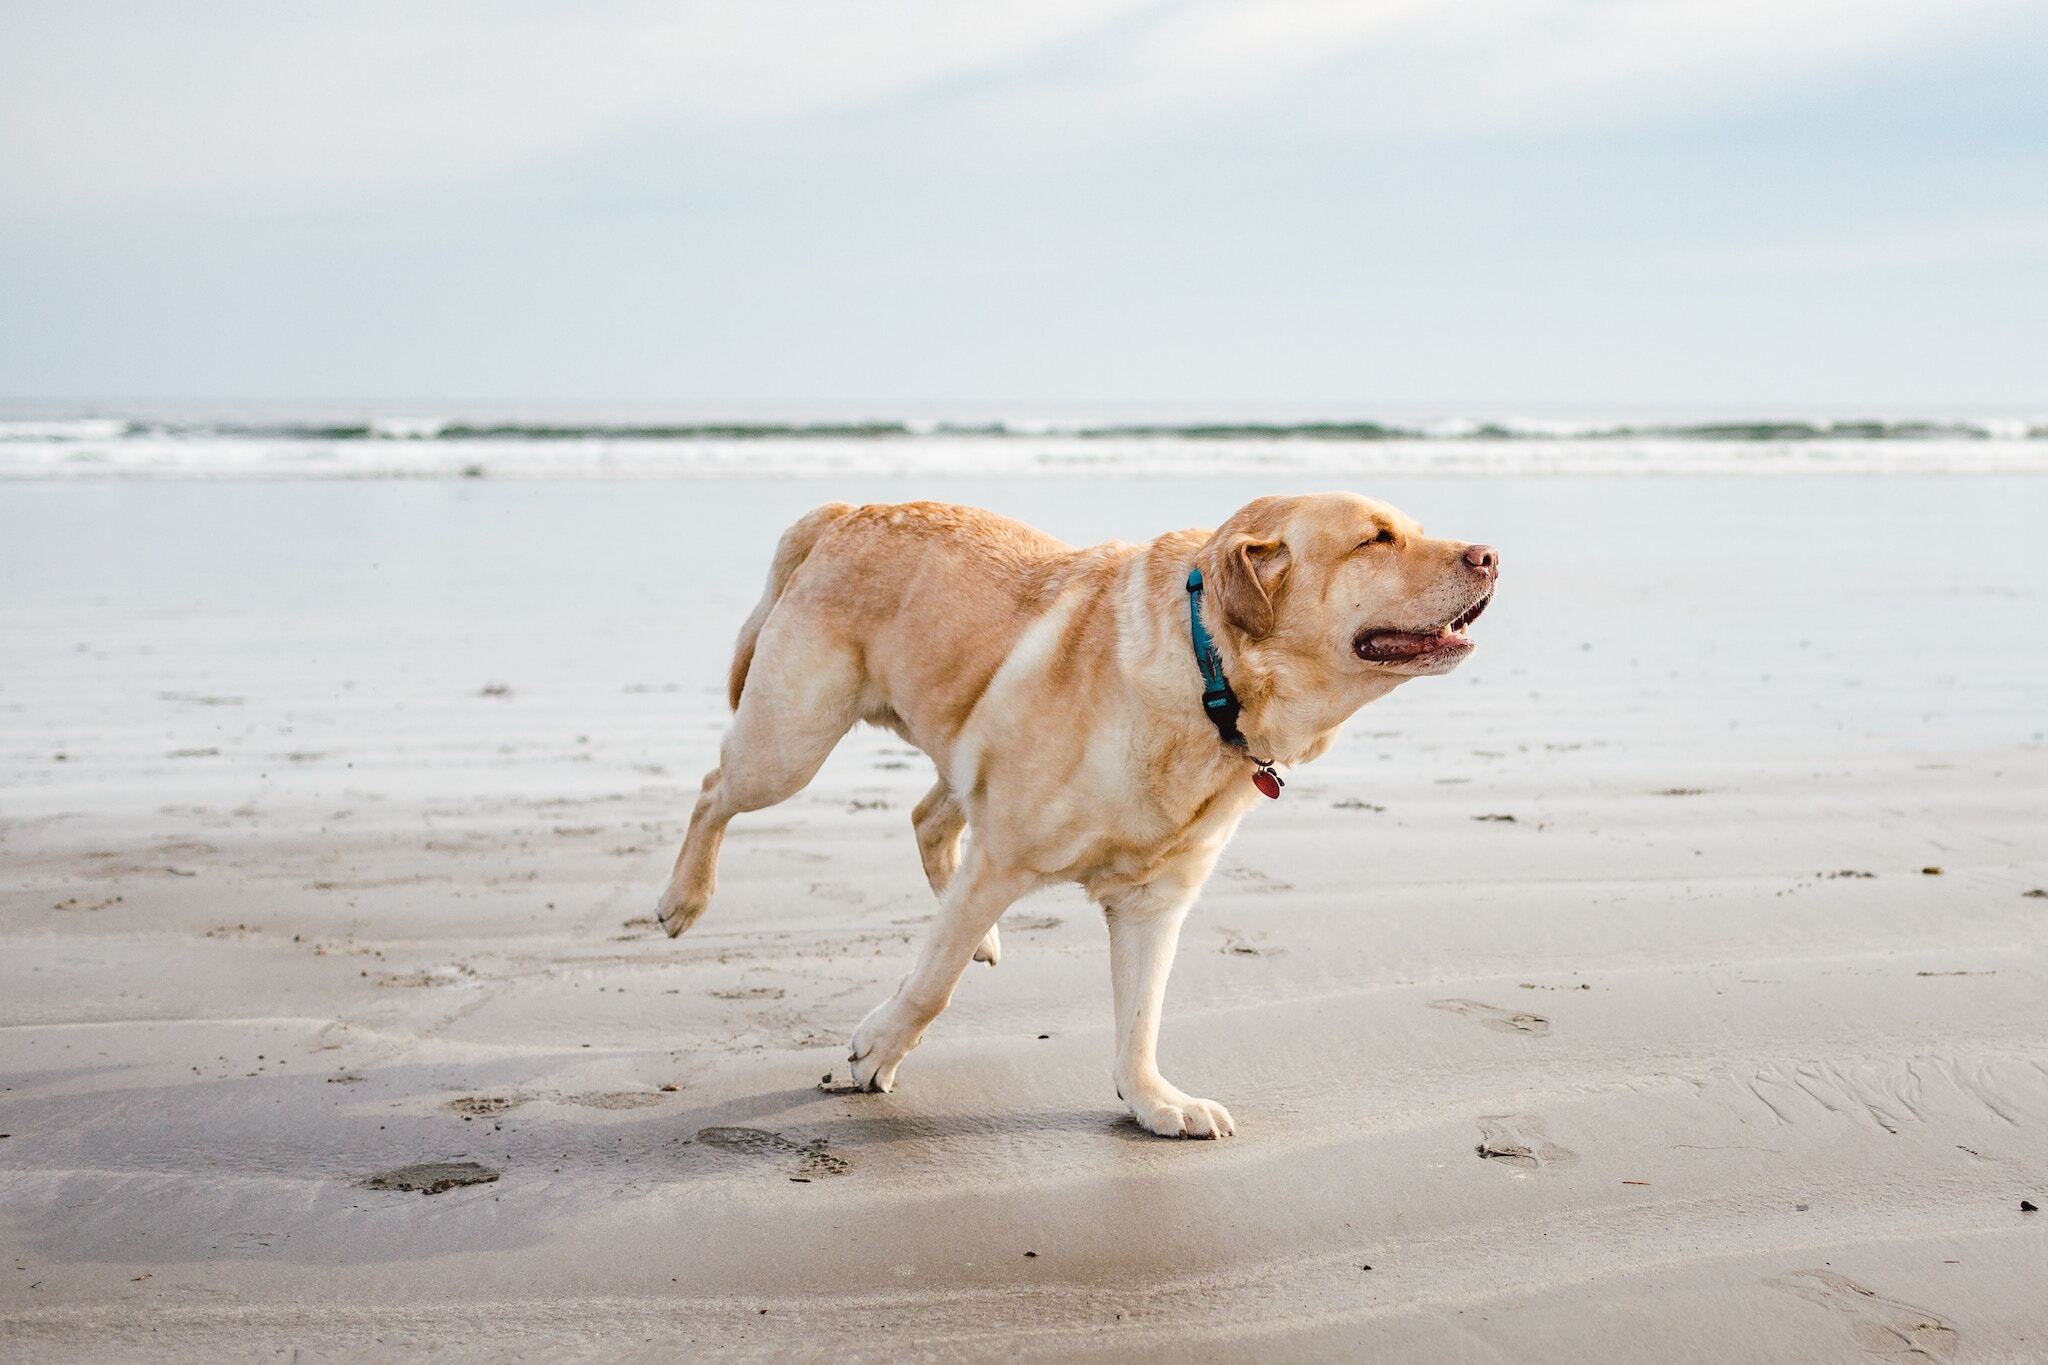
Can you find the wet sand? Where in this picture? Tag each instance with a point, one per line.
(1665, 984)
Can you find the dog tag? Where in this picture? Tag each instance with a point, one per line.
(1268, 781)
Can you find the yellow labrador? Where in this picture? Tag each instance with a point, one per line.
(1102, 716)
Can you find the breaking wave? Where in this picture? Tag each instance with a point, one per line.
(402, 446)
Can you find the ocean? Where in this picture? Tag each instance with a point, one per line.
(392, 441)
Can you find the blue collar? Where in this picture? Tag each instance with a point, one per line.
(1219, 701)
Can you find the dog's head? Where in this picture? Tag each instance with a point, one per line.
(1331, 589)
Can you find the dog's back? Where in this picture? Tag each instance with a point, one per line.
(927, 598)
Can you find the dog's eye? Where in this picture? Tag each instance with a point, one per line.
(1385, 537)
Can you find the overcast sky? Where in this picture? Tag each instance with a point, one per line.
(1368, 205)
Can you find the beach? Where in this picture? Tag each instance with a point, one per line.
(1670, 982)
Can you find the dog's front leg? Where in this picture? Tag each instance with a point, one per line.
(1144, 930)
(975, 900)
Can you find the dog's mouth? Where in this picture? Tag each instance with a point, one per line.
(1421, 650)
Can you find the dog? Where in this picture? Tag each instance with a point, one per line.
(1103, 716)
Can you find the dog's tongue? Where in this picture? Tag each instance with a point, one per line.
(1385, 645)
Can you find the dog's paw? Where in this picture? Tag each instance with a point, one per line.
(1168, 1112)
(681, 904)
(880, 1044)
(675, 913)
(991, 947)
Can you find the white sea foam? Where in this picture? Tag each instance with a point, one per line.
(568, 444)
(73, 455)
(64, 429)
(408, 428)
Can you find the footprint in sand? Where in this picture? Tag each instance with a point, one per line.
(1496, 1018)
(1518, 1140)
(481, 1106)
(1881, 1326)
(811, 1157)
(1241, 945)
(1256, 880)
(749, 993)
(455, 975)
(616, 1099)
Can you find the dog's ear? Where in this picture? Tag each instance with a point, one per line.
(1249, 572)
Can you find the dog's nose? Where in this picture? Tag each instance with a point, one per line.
(1484, 558)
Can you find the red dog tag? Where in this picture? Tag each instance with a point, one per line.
(1268, 781)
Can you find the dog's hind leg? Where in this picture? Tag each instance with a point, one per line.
(797, 705)
(939, 823)
(975, 900)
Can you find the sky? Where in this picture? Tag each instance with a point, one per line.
(924, 205)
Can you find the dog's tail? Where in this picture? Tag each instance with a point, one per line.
(791, 551)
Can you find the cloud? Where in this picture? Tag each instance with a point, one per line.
(138, 102)
(1477, 68)
(109, 105)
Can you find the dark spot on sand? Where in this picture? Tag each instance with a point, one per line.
(811, 1157)
(1496, 819)
(1352, 803)
(2026, 1205)
(494, 690)
(1930, 871)
(2039, 893)
(430, 1177)
(1683, 791)
(1845, 872)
